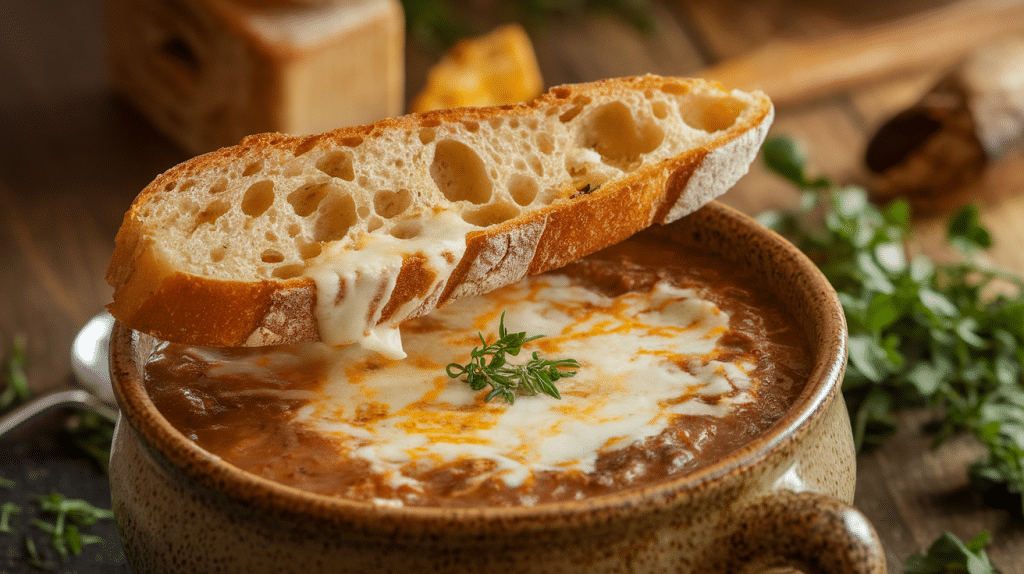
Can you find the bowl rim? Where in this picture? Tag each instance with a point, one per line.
(829, 345)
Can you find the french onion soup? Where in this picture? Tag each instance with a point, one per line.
(683, 359)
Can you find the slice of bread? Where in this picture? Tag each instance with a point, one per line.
(338, 237)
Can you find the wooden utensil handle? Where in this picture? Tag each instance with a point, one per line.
(795, 71)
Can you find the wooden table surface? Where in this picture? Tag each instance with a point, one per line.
(73, 156)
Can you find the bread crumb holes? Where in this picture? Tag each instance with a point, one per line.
(389, 204)
(335, 216)
(253, 168)
(522, 188)
(338, 164)
(271, 256)
(621, 139)
(288, 271)
(460, 173)
(212, 212)
(258, 198)
(305, 199)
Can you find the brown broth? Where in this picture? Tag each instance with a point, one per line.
(242, 420)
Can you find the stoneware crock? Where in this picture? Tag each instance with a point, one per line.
(782, 500)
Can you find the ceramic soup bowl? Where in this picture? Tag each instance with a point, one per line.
(781, 500)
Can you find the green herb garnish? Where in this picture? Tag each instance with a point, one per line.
(921, 333)
(7, 510)
(89, 431)
(92, 433)
(949, 555)
(69, 515)
(15, 390)
(506, 379)
(34, 558)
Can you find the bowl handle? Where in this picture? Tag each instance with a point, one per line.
(806, 530)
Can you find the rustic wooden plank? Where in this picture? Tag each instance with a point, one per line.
(73, 158)
(874, 498)
(730, 29)
(931, 492)
(833, 53)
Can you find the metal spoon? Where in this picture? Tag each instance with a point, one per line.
(90, 364)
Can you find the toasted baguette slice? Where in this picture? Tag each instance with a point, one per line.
(336, 237)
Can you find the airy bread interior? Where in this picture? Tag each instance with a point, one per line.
(271, 211)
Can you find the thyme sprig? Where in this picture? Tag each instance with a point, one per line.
(507, 379)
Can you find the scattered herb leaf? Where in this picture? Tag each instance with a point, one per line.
(7, 483)
(8, 510)
(15, 390)
(949, 555)
(89, 431)
(33, 558)
(92, 433)
(506, 379)
(922, 333)
(69, 515)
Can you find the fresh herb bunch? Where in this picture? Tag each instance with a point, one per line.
(921, 333)
(506, 379)
(949, 555)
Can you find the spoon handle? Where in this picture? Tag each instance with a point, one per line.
(66, 398)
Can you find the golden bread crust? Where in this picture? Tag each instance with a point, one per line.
(155, 293)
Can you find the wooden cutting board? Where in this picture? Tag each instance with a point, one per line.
(795, 71)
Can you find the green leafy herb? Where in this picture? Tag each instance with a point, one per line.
(921, 333)
(434, 24)
(33, 557)
(69, 515)
(7, 510)
(949, 555)
(7, 483)
(92, 433)
(15, 390)
(506, 379)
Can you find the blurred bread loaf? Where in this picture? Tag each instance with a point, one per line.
(206, 73)
(940, 152)
(340, 237)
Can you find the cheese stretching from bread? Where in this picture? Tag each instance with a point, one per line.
(343, 236)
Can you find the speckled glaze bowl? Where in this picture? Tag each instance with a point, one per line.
(782, 500)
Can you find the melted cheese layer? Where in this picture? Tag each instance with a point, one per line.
(353, 285)
(645, 358)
